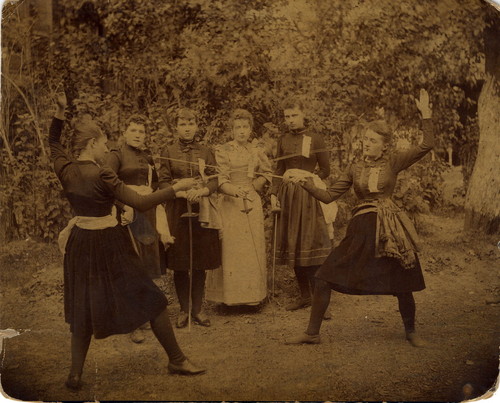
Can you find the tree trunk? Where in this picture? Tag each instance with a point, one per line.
(482, 203)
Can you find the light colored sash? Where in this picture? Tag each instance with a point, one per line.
(91, 223)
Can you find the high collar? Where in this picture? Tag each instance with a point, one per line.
(298, 132)
(373, 162)
(186, 145)
(131, 148)
(235, 144)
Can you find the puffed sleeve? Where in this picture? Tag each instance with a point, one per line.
(222, 158)
(263, 164)
(111, 182)
(280, 168)
(341, 185)
(58, 154)
(322, 156)
(404, 159)
(165, 177)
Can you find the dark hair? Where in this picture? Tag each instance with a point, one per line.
(291, 103)
(183, 113)
(240, 114)
(84, 130)
(138, 119)
(381, 128)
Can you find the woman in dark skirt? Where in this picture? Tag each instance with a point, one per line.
(302, 239)
(185, 159)
(148, 230)
(106, 288)
(378, 253)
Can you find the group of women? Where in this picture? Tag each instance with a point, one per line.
(205, 211)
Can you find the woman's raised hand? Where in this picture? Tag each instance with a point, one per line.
(61, 101)
(423, 104)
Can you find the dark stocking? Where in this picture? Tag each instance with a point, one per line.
(407, 309)
(320, 302)
(181, 281)
(303, 280)
(162, 329)
(79, 348)
(311, 272)
(199, 277)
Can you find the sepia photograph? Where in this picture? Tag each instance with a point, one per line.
(250, 200)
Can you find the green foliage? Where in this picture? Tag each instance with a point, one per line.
(345, 60)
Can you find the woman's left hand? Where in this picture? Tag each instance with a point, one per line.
(305, 182)
(193, 195)
(423, 104)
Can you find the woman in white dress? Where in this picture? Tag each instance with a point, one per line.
(244, 169)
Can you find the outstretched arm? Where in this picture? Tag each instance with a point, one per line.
(131, 198)
(341, 185)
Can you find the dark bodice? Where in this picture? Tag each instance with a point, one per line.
(133, 166)
(376, 179)
(91, 189)
(291, 144)
(187, 165)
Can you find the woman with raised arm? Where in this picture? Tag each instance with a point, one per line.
(106, 288)
(379, 252)
(242, 279)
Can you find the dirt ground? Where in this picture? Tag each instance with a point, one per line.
(363, 355)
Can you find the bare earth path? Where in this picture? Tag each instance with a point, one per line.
(364, 355)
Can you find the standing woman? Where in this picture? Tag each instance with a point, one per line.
(378, 253)
(106, 289)
(303, 241)
(184, 159)
(242, 280)
(135, 167)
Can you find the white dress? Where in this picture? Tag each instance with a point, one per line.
(242, 279)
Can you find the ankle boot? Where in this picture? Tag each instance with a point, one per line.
(186, 367)
(299, 304)
(304, 338)
(74, 382)
(415, 340)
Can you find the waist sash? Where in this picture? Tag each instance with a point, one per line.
(396, 236)
(91, 223)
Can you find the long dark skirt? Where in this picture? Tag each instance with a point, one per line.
(302, 238)
(353, 269)
(206, 243)
(107, 290)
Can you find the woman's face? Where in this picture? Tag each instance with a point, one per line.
(135, 135)
(373, 144)
(186, 128)
(99, 148)
(294, 118)
(241, 130)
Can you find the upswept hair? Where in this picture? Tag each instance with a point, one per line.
(381, 128)
(242, 114)
(182, 113)
(138, 119)
(293, 102)
(84, 130)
